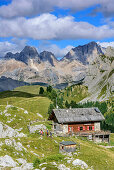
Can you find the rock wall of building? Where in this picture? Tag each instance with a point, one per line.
(97, 126)
(65, 128)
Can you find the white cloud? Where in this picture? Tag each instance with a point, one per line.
(14, 46)
(34, 7)
(56, 50)
(106, 7)
(48, 26)
(106, 44)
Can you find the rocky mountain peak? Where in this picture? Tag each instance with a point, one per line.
(30, 51)
(10, 55)
(82, 53)
(47, 56)
(27, 53)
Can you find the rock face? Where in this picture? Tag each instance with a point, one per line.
(46, 56)
(85, 53)
(25, 55)
(100, 77)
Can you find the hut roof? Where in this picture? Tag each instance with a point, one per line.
(68, 143)
(78, 115)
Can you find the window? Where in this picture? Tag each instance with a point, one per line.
(90, 127)
(70, 129)
(81, 128)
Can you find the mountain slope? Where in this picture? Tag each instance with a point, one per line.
(100, 77)
(9, 84)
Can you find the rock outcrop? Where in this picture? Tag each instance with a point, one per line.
(7, 131)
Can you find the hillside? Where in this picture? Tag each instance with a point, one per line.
(25, 106)
(33, 89)
(100, 77)
(30, 102)
(10, 84)
(75, 93)
(32, 147)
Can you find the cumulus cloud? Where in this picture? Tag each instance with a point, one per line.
(56, 50)
(14, 46)
(34, 7)
(106, 7)
(106, 44)
(50, 27)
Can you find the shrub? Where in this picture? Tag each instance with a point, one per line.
(36, 163)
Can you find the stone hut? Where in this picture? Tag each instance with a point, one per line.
(80, 121)
(67, 146)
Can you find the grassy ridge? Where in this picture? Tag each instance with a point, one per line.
(31, 102)
(33, 89)
(75, 93)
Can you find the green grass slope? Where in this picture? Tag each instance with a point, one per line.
(33, 89)
(30, 102)
(75, 93)
(47, 151)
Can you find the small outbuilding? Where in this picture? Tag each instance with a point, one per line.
(67, 146)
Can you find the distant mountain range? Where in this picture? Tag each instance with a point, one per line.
(81, 64)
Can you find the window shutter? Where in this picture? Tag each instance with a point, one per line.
(72, 129)
(69, 129)
(78, 128)
(87, 127)
(92, 127)
(83, 127)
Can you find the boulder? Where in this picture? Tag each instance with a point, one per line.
(32, 129)
(7, 131)
(7, 161)
(81, 163)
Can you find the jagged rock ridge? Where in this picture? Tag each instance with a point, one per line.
(82, 63)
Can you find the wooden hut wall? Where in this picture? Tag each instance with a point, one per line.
(80, 127)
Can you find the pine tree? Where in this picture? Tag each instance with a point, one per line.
(41, 90)
(51, 107)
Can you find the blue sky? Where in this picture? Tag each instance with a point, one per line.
(55, 25)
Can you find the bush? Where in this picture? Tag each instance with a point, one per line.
(36, 163)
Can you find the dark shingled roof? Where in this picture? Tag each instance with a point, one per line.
(78, 115)
(68, 143)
